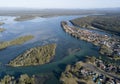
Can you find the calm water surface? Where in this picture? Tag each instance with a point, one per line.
(45, 30)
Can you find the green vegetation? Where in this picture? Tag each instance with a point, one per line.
(2, 29)
(110, 22)
(1, 23)
(109, 45)
(35, 56)
(116, 57)
(23, 79)
(92, 68)
(90, 59)
(17, 41)
(105, 50)
(72, 75)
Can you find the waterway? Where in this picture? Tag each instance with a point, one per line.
(46, 31)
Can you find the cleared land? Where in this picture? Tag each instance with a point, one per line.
(35, 56)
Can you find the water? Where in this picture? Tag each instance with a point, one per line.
(45, 30)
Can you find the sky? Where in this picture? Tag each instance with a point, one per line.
(67, 4)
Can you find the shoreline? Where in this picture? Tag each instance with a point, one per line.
(107, 43)
(89, 72)
(35, 56)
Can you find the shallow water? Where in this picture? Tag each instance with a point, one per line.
(45, 30)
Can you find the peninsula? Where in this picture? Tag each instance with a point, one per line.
(109, 45)
(105, 22)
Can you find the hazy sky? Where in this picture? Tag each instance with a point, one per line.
(60, 3)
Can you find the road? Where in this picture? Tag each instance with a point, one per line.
(96, 69)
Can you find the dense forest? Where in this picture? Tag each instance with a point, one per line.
(105, 22)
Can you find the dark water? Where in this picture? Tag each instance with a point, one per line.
(45, 30)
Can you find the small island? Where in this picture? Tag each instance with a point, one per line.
(2, 29)
(35, 56)
(23, 79)
(24, 18)
(17, 41)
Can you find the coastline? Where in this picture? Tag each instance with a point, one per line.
(36, 69)
(104, 41)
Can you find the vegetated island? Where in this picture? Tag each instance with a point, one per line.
(35, 56)
(92, 71)
(23, 79)
(2, 29)
(17, 41)
(24, 18)
(26, 79)
(109, 45)
(105, 22)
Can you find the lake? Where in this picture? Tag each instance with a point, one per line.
(46, 31)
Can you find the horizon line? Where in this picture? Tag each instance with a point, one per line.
(58, 8)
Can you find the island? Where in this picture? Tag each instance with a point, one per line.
(109, 45)
(16, 41)
(2, 29)
(23, 79)
(91, 71)
(24, 18)
(105, 22)
(35, 56)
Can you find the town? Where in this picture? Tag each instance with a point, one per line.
(109, 45)
(92, 71)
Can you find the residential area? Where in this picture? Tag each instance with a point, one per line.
(109, 45)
